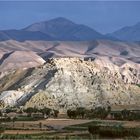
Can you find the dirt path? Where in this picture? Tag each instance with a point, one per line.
(61, 123)
(54, 123)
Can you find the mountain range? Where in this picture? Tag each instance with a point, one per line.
(55, 29)
(63, 29)
(128, 33)
(60, 64)
(61, 37)
(23, 55)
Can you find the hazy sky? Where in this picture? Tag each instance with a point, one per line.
(102, 16)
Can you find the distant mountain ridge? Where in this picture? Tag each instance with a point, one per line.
(128, 33)
(64, 29)
(21, 35)
(60, 29)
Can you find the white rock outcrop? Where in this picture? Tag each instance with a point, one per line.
(64, 83)
(10, 98)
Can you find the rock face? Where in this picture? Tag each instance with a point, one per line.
(9, 98)
(64, 83)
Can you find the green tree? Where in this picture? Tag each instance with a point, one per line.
(125, 114)
(56, 112)
(13, 120)
(71, 113)
(8, 110)
(109, 109)
(1, 113)
(29, 111)
(81, 111)
(118, 116)
(45, 111)
(2, 129)
(40, 125)
(93, 129)
(100, 112)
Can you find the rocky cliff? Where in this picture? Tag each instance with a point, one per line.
(64, 83)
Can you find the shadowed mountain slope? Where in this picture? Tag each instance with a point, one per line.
(129, 33)
(60, 29)
(64, 29)
(47, 49)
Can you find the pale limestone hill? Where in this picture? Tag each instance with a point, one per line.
(64, 83)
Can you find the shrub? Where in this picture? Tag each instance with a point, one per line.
(56, 112)
(2, 129)
(114, 131)
(94, 129)
(45, 111)
(71, 113)
(80, 111)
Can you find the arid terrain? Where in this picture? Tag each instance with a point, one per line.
(90, 78)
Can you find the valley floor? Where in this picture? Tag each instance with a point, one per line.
(59, 128)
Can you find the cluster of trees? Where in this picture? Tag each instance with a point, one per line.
(47, 112)
(99, 112)
(80, 112)
(102, 113)
(126, 115)
(113, 131)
